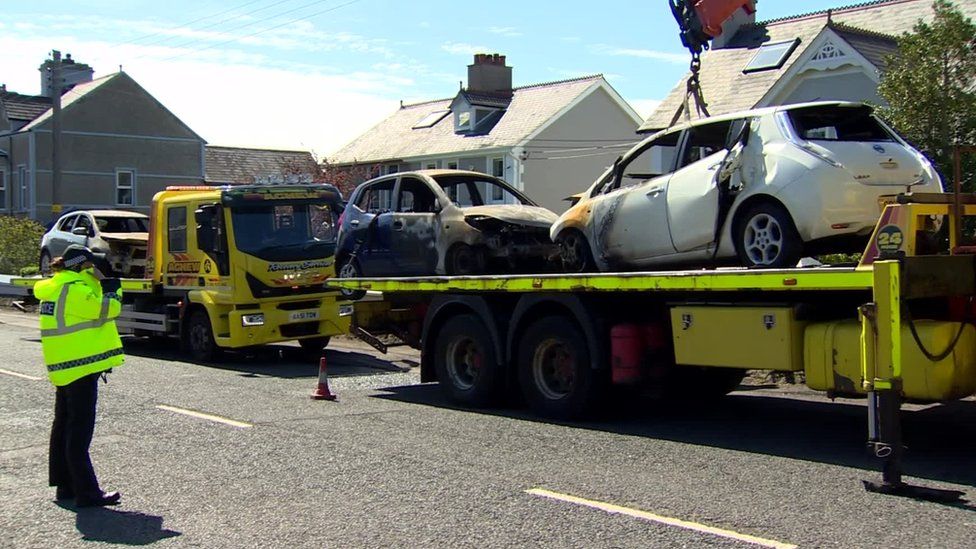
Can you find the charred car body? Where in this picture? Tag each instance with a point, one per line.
(760, 188)
(450, 222)
(121, 236)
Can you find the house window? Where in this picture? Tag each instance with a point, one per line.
(463, 120)
(431, 165)
(3, 190)
(22, 179)
(124, 187)
(497, 170)
(176, 221)
(771, 56)
(392, 169)
(452, 165)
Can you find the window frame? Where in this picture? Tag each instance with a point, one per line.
(131, 187)
(23, 188)
(492, 161)
(3, 189)
(169, 228)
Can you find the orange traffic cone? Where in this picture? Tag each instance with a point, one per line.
(322, 392)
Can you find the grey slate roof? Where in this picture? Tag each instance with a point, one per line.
(234, 165)
(393, 139)
(867, 26)
(24, 107)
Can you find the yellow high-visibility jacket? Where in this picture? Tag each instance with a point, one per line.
(78, 334)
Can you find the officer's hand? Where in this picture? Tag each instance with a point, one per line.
(110, 285)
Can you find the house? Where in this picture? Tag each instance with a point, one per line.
(234, 165)
(549, 140)
(119, 146)
(825, 55)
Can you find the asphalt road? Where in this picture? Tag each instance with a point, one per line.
(391, 463)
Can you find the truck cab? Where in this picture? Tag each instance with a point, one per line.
(236, 267)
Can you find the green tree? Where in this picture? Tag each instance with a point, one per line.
(930, 87)
(20, 244)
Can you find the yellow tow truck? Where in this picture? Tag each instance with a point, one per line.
(896, 327)
(237, 266)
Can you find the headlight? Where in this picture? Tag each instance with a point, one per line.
(253, 320)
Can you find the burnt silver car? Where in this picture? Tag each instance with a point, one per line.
(121, 235)
(442, 222)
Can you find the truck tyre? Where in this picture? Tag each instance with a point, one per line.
(349, 268)
(468, 369)
(314, 346)
(555, 372)
(574, 251)
(766, 237)
(199, 339)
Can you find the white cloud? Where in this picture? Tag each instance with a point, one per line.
(230, 97)
(459, 48)
(676, 58)
(505, 31)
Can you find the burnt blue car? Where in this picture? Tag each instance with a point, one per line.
(441, 222)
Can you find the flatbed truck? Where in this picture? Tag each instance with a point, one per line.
(897, 327)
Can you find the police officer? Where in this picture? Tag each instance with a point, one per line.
(80, 343)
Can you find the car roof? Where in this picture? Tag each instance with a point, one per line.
(755, 112)
(110, 213)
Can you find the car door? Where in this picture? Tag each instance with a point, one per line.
(372, 227)
(84, 220)
(692, 195)
(630, 216)
(61, 237)
(414, 227)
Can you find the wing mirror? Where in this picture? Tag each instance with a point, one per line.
(80, 231)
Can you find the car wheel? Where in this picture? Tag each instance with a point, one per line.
(574, 251)
(45, 263)
(766, 237)
(199, 338)
(465, 260)
(349, 268)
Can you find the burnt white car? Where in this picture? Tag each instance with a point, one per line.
(121, 235)
(452, 222)
(759, 188)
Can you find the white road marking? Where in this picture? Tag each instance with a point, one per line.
(16, 374)
(202, 415)
(617, 509)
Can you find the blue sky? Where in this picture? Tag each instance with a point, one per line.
(313, 74)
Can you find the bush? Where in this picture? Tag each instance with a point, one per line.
(20, 243)
(33, 270)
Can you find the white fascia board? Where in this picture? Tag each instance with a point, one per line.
(787, 80)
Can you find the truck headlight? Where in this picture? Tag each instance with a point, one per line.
(345, 310)
(253, 320)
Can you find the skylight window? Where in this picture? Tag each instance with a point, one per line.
(431, 119)
(771, 56)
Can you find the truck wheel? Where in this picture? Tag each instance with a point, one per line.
(198, 337)
(555, 371)
(314, 346)
(465, 260)
(467, 368)
(574, 251)
(350, 269)
(766, 237)
(44, 265)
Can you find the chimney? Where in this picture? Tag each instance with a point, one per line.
(72, 73)
(490, 76)
(739, 18)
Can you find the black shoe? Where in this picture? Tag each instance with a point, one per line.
(64, 492)
(99, 500)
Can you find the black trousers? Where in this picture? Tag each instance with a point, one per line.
(70, 466)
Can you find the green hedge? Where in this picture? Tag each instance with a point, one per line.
(20, 244)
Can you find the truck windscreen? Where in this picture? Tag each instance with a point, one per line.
(285, 232)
